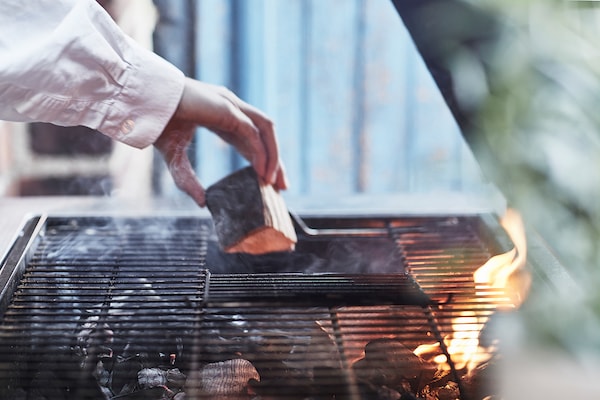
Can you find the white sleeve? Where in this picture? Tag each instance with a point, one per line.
(67, 62)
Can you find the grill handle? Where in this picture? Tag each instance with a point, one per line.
(304, 229)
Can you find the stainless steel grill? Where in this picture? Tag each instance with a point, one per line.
(96, 307)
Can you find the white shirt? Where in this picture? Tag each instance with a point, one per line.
(67, 62)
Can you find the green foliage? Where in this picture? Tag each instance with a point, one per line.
(538, 137)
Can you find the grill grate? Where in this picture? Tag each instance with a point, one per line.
(99, 302)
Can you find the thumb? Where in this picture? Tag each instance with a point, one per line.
(173, 144)
(185, 178)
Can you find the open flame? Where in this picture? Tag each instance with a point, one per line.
(462, 345)
(506, 272)
(504, 279)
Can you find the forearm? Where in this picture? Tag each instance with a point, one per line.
(64, 62)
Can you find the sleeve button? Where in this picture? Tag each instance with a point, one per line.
(127, 126)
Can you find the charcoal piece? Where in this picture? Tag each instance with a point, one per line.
(482, 381)
(387, 362)
(61, 376)
(448, 392)
(124, 373)
(408, 396)
(151, 377)
(250, 216)
(175, 378)
(296, 362)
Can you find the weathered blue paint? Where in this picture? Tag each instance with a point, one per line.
(331, 96)
(354, 106)
(389, 108)
(213, 64)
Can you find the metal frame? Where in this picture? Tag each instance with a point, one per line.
(17, 257)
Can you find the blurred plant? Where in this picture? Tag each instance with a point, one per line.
(538, 138)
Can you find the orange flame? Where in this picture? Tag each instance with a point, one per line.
(504, 280)
(462, 345)
(506, 272)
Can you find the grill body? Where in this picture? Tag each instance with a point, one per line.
(98, 307)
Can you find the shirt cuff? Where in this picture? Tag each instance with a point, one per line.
(149, 97)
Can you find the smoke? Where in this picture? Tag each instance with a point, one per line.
(348, 255)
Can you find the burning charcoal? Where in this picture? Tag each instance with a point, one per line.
(175, 378)
(387, 362)
(385, 393)
(250, 216)
(225, 379)
(102, 375)
(369, 391)
(157, 383)
(448, 392)
(62, 378)
(47, 385)
(124, 373)
(297, 363)
(482, 381)
(108, 394)
(408, 396)
(93, 343)
(151, 377)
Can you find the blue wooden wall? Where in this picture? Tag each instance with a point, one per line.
(356, 110)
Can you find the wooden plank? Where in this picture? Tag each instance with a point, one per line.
(355, 108)
(251, 45)
(387, 104)
(330, 97)
(254, 30)
(286, 86)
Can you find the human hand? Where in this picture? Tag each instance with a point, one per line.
(244, 127)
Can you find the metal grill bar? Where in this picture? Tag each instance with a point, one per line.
(98, 293)
(325, 289)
